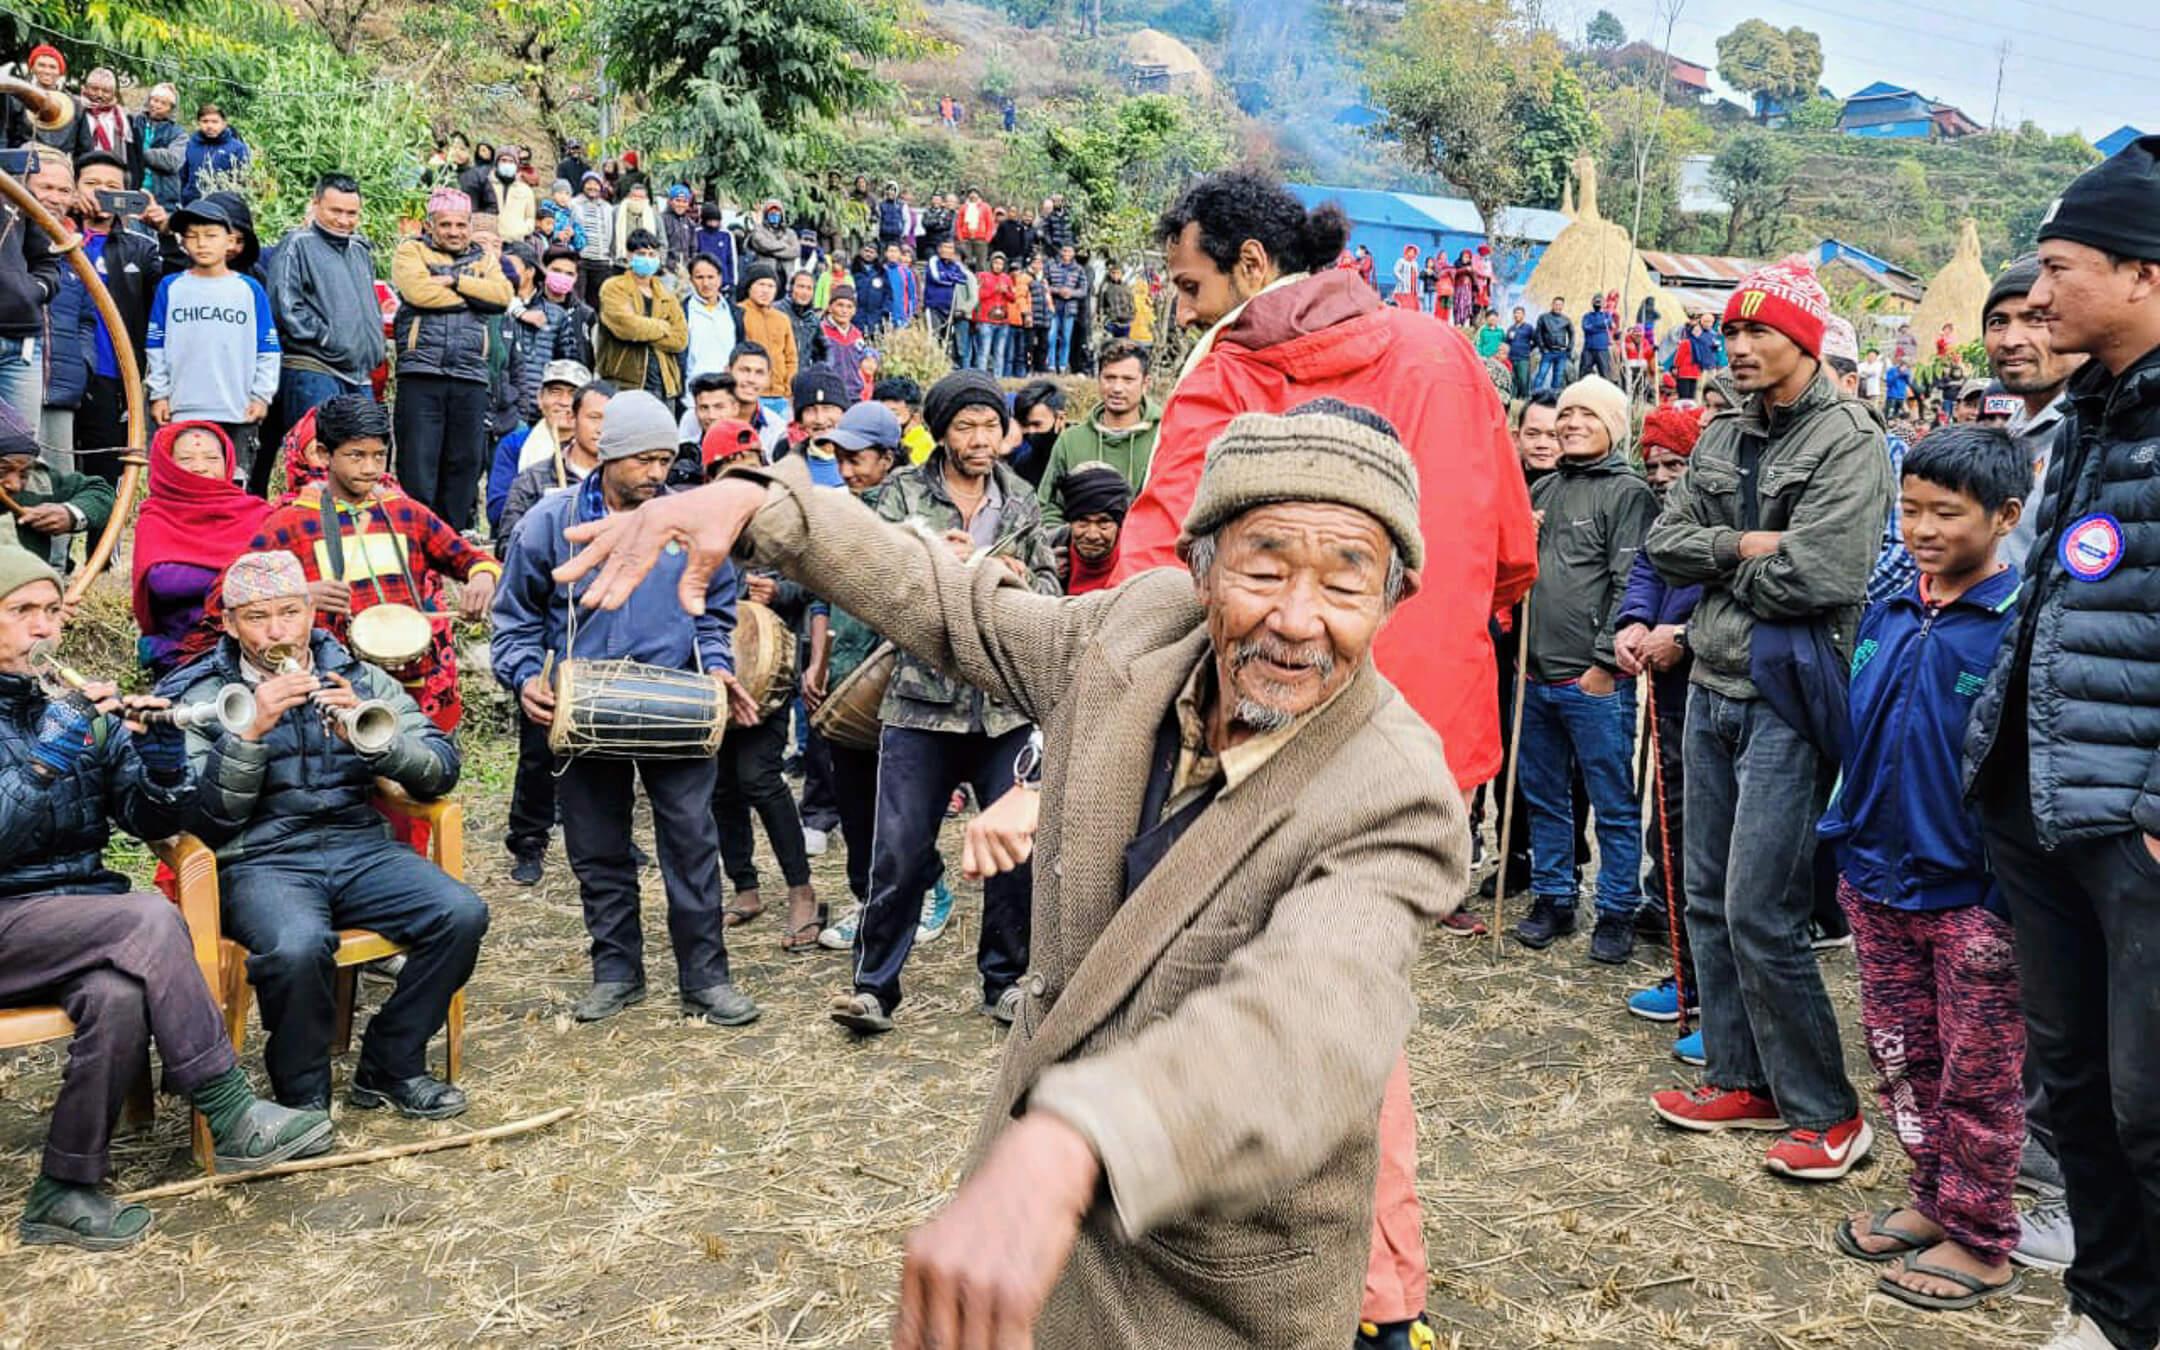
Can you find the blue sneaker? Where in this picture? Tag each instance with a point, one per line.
(1688, 1050)
(936, 914)
(1660, 1003)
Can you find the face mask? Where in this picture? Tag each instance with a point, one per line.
(644, 265)
(772, 218)
(503, 170)
(559, 284)
(1039, 442)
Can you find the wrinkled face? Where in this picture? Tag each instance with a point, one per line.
(630, 483)
(841, 312)
(1537, 440)
(1294, 596)
(198, 452)
(752, 374)
(356, 467)
(338, 212)
(589, 417)
(1947, 531)
(1123, 383)
(2085, 295)
(818, 418)
(1094, 537)
(258, 627)
(555, 401)
(28, 615)
(99, 89)
(54, 184)
(15, 472)
(1662, 468)
(207, 245)
(452, 230)
(863, 470)
(705, 280)
(973, 440)
(1761, 357)
(1583, 438)
(159, 106)
(711, 405)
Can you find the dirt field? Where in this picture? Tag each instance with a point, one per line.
(751, 1188)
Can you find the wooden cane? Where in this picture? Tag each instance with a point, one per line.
(1514, 766)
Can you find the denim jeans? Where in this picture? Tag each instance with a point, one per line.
(1551, 371)
(1754, 791)
(287, 908)
(22, 377)
(962, 329)
(1061, 332)
(990, 340)
(1562, 727)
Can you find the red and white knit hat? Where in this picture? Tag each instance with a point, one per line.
(1786, 296)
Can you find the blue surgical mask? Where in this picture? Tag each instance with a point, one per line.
(644, 265)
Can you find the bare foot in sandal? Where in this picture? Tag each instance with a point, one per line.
(1884, 1234)
(1948, 1275)
(747, 906)
(804, 921)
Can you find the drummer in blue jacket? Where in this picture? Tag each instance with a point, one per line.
(533, 623)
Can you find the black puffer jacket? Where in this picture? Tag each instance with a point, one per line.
(29, 276)
(2085, 652)
(53, 834)
(284, 791)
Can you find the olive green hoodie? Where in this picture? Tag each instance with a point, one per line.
(1129, 450)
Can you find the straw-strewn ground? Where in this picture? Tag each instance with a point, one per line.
(751, 1188)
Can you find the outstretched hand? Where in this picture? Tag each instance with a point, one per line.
(625, 546)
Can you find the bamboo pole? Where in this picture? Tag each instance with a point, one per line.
(1514, 766)
(369, 1155)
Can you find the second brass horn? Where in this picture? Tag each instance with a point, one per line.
(369, 727)
(233, 710)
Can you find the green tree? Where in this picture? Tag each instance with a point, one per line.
(1477, 92)
(1815, 114)
(1754, 173)
(731, 84)
(1604, 32)
(207, 48)
(1641, 133)
(1126, 157)
(1807, 62)
(1757, 58)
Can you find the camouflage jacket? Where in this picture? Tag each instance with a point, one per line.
(920, 695)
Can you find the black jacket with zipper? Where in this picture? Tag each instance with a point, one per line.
(1595, 519)
(29, 276)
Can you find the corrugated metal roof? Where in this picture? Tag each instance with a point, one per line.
(1697, 268)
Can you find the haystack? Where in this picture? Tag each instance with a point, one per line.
(1153, 47)
(1957, 292)
(1593, 256)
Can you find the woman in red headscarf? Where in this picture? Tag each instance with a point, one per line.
(194, 523)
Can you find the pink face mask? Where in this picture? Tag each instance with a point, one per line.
(559, 284)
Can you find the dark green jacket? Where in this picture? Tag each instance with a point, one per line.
(920, 695)
(1595, 517)
(88, 494)
(1824, 482)
(1130, 451)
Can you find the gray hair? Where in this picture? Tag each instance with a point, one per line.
(1200, 557)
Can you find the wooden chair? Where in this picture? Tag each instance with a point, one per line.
(196, 865)
(198, 901)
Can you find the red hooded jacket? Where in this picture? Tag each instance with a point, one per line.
(1329, 336)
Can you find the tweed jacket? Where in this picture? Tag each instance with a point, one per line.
(1223, 1036)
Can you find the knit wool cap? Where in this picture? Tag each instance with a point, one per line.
(634, 424)
(20, 567)
(1323, 451)
(1602, 399)
(819, 386)
(1094, 489)
(2016, 280)
(255, 577)
(17, 439)
(2114, 205)
(963, 389)
(843, 291)
(1786, 296)
(1673, 430)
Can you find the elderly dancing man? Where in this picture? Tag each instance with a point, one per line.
(1245, 832)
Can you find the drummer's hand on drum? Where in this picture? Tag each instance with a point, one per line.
(537, 697)
(961, 543)
(625, 545)
(331, 596)
(476, 596)
(760, 588)
(1001, 837)
(275, 697)
(743, 710)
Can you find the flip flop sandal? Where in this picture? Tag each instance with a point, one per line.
(1879, 1226)
(735, 916)
(862, 1015)
(796, 943)
(76, 1220)
(258, 1130)
(1980, 1290)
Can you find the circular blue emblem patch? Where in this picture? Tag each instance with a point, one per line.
(2092, 547)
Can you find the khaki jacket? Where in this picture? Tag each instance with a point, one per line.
(1223, 1036)
(770, 328)
(634, 330)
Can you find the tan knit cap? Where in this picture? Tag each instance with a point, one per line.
(1323, 451)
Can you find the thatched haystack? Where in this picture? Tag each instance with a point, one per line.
(1957, 292)
(1593, 256)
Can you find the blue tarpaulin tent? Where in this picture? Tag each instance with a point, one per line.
(1386, 221)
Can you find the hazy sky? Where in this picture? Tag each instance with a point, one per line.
(2074, 69)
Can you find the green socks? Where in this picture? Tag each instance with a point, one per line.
(223, 1101)
(80, 1216)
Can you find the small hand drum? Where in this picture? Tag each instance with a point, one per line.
(391, 635)
(626, 710)
(764, 657)
(849, 715)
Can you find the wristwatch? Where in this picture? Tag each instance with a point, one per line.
(1027, 765)
(1679, 638)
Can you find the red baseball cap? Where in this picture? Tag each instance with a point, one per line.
(726, 439)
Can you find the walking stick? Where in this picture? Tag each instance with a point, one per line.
(1664, 831)
(1514, 766)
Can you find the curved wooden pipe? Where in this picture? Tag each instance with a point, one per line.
(68, 245)
(50, 109)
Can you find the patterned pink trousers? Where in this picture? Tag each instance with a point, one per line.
(1939, 1003)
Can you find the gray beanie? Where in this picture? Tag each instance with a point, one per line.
(2016, 279)
(1323, 451)
(636, 423)
(19, 567)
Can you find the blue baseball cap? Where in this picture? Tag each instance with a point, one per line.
(866, 425)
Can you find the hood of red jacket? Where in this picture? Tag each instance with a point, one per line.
(1311, 329)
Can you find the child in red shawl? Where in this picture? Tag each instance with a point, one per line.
(194, 523)
(378, 528)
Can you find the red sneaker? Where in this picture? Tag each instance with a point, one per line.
(1821, 1156)
(1710, 1108)
(1462, 923)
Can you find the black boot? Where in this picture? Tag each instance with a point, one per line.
(1549, 920)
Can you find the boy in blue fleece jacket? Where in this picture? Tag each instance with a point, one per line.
(1938, 972)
